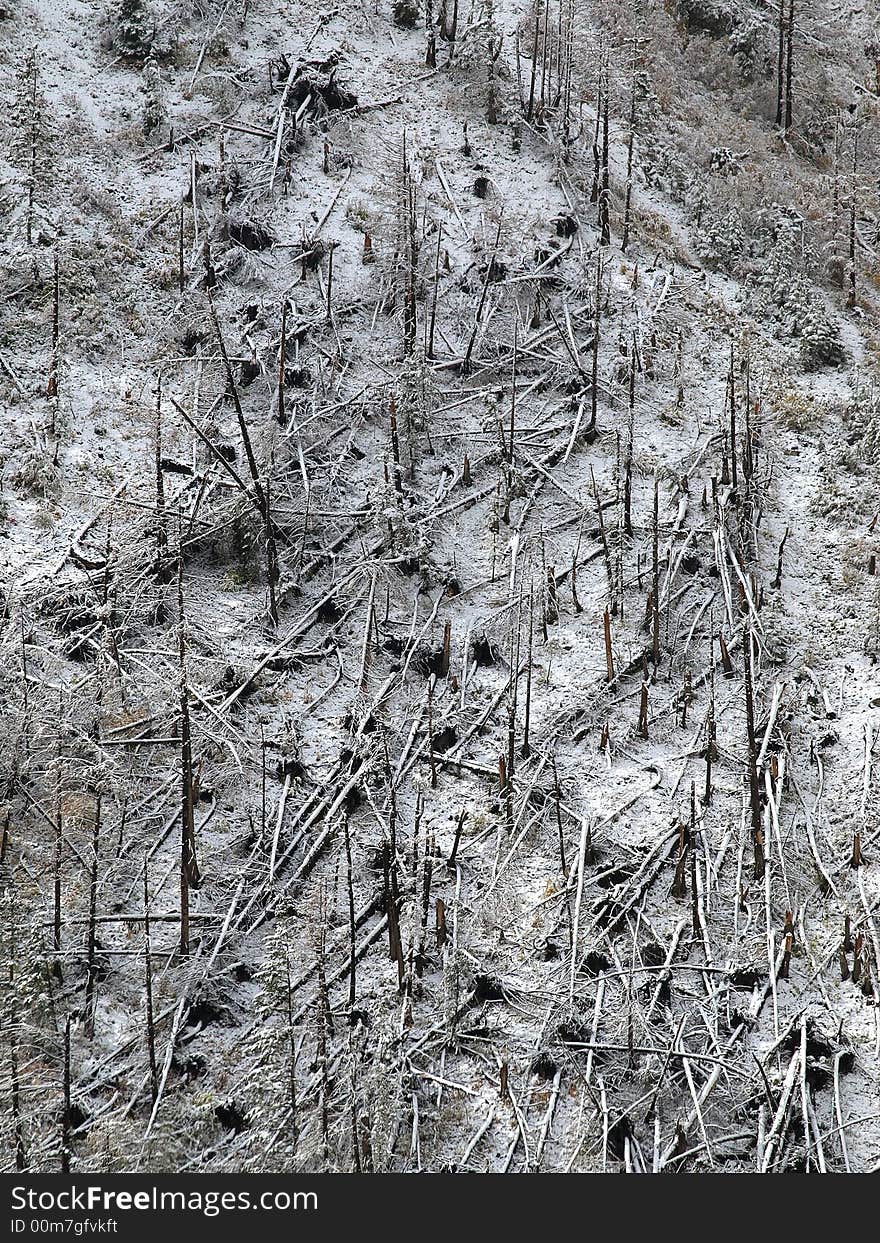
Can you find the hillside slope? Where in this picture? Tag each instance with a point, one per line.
(439, 495)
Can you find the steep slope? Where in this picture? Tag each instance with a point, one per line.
(494, 772)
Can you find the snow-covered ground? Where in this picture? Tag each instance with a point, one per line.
(431, 761)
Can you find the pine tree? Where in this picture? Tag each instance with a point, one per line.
(722, 241)
(32, 136)
(135, 29)
(789, 296)
(818, 334)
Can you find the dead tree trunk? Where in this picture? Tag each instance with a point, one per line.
(627, 210)
(148, 990)
(754, 789)
(189, 872)
(352, 955)
(605, 193)
(161, 527)
(282, 363)
(429, 350)
(272, 574)
(788, 56)
(733, 449)
(65, 1102)
(410, 258)
(52, 382)
(630, 436)
(291, 1037)
(181, 262)
(655, 578)
(57, 862)
(91, 944)
(851, 297)
(530, 110)
(780, 64)
(594, 352)
(324, 1025)
(594, 188)
(259, 495)
(711, 733)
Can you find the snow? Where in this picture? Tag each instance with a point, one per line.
(612, 1049)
